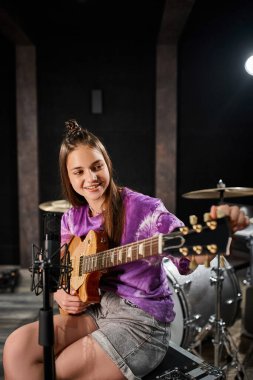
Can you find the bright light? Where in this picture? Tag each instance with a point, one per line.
(249, 65)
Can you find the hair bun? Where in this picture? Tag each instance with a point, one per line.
(72, 126)
(73, 129)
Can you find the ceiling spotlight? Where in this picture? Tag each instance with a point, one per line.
(249, 65)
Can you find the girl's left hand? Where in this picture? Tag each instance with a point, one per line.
(237, 217)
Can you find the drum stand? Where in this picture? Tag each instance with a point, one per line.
(222, 337)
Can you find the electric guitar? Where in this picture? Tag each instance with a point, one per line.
(90, 256)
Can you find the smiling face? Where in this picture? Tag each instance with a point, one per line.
(88, 174)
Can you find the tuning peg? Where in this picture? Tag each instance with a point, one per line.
(220, 213)
(193, 219)
(193, 265)
(207, 217)
(184, 230)
(212, 248)
(184, 251)
(212, 224)
(197, 228)
(198, 249)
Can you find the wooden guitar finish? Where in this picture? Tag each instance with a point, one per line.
(86, 284)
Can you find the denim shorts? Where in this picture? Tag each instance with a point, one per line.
(135, 341)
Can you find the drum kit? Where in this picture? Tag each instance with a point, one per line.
(197, 314)
(208, 299)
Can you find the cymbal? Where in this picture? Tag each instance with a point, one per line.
(217, 193)
(60, 205)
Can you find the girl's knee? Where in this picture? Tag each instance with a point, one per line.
(22, 354)
(20, 341)
(10, 351)
(13, 344)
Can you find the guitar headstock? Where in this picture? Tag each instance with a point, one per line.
(208, 237)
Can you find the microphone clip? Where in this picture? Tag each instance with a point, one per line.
(58, 269)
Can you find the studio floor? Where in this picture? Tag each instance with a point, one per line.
(22, 306)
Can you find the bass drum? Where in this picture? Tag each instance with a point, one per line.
(194, 298)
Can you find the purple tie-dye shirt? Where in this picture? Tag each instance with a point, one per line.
(143, 282)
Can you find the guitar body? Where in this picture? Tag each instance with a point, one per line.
(87, 284)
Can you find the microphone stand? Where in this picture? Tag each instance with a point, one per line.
(46, 327)
(47, 283)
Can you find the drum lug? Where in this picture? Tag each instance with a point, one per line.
(231, 301)
(187, 284)
(194, 318)
(213, 280)
(177, 287)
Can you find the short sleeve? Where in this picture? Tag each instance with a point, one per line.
(65, 229)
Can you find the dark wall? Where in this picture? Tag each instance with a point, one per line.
(109, 46)
(82, 46)
(215, 131)
(125, 73)
(8, 157)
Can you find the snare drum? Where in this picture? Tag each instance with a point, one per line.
(194, 298)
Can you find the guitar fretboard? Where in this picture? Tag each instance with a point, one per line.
(121, 255)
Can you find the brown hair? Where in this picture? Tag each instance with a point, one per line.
(114, 212)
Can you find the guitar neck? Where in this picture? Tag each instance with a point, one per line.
(130, 252)
(122, 255)
(158, 245)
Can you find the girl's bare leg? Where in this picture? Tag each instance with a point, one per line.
(86, 360)
(78, 356)
(22, 356)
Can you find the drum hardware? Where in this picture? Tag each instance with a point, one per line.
(222, 337)
(187, 284)
(194, 300)
(195, 318)
(246, 236)
(177, 287)
(220, 192)
(248, 308)
(202, 333)
(60, 206)
(250, 246)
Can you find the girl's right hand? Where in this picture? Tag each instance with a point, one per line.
(70, 303)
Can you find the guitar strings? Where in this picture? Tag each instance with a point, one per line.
(99, 260)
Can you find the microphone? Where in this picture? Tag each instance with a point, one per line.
(47, 260)
(52, 225)
(52, 256)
